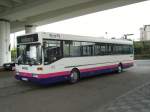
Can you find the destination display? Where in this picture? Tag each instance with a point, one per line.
(27, 38)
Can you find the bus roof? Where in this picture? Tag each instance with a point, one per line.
(49, 35)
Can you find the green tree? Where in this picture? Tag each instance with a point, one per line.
(13, 54)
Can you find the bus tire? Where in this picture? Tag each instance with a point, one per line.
(119, 68)
(74, 76)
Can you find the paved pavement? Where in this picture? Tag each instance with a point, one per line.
(137, 100)
(89, 95)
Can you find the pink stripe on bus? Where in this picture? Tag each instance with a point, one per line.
(25, 74)
(67, 73)
(63, 73)
(98, 68)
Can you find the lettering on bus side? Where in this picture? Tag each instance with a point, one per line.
(55, 35)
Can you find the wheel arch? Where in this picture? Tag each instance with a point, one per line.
(77, 70)
(120, 64)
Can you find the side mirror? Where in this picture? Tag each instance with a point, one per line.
(17, 61)
(44, 45)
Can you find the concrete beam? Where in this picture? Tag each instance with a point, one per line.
(5, 3)
(1, 8)
(69, 10)
(17, 1)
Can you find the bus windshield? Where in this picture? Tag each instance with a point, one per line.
(29, 54)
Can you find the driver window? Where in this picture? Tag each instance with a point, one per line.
(33, 52)
(52, 51)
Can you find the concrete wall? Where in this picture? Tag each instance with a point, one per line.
(145, 33)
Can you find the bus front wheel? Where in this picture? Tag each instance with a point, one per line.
(74, 77)
(119, 69)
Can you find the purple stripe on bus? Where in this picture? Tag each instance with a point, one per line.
(126, 65)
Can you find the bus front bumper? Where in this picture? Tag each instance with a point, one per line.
(42, 81)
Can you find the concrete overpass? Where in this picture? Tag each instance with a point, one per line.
(16, 14)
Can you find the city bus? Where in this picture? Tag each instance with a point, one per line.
(46, 58)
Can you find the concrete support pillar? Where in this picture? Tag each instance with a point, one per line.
(5, 53)
(30, 29)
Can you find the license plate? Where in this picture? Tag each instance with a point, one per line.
(24, 79)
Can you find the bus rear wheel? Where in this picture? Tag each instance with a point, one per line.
(74, 77)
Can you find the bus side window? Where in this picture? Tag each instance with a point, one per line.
(75, 49)
(87, 48)
(66, 48)
(103, 49)
(52, 51)
(97, 50)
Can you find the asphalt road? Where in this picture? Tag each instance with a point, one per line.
(89, 95)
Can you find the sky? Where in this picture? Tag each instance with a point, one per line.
(116, 22)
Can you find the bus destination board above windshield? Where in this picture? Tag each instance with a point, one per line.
(27, 38)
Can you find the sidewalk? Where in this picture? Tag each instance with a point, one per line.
(137, 100)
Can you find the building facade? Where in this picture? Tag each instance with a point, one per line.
(145, 33)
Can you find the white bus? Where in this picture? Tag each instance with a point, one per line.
(49, 57)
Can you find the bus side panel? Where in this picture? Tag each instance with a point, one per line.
(94, 64)
(88, 66)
